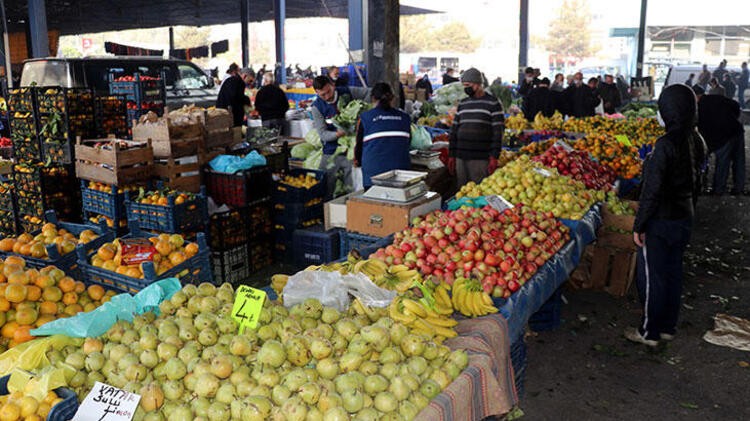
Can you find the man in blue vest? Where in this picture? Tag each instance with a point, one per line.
(323, 109)
(383, 136)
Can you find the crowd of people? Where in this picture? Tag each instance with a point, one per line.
(722, 81)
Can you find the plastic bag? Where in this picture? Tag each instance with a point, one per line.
(327, 287)
(121, 307)
(357, 179)
(32, 355)
(40, 384)
(420, 138)
(230, 164)
(472, 202)
(369, 294)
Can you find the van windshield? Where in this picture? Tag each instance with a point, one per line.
(191, 78)
(46, 73)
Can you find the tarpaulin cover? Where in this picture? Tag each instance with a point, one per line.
(583, 231)
(519, 307)
(121, 307)
(230, 164)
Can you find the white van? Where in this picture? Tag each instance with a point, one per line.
(679, 73)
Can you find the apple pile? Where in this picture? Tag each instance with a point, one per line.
(578, 165)
(545, 190)
(503, 250)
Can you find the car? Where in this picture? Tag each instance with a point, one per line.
(185, 82)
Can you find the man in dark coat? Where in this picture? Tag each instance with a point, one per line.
(609, 94)
(539, 100)
(272, 104)
(424, 83)
(449, 77)
(528, 83)
(580, 100)
(232, 94)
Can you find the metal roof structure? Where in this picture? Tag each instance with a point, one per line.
(72, 17)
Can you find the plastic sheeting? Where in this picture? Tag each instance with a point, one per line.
(583, 231)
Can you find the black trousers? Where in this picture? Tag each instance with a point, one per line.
(659, 275)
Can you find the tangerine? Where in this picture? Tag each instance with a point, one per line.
(67, 284)
(70, 298)
(15, 293)
(96, 292)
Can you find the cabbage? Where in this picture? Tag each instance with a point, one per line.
(448, 96)
(312, 137)
(303, 150)
(312, 162)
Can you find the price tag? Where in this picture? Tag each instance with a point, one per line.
(542, 171)
(248, 302)
(564, 146)
(623, 139)
(498, 202)
(106, 402)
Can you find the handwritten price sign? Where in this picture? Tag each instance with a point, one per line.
(106, 402)
(248, 302)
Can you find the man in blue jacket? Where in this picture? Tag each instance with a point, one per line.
(324, 109)
(383, 136)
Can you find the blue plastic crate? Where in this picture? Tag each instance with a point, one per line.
(548, 315)
(315, 246)
(138, 90)
(364, 244)
(296, 214)
(518, 360)
(110, 204)
(194, 270)
(63, 411)
(172, 218)
(287, 194)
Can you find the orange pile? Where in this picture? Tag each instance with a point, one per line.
(35, 247)
(162, 198)
(30, 298)
(17, 406)
(608, 151)
(169, 251)
(106, 188)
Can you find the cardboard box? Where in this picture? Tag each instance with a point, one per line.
(379, 218)
(612, 269)
(618, 240)
(334, 212)
(620, 222)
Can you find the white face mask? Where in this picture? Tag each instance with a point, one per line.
(660, 120)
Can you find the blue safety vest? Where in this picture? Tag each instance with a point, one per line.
(386, 141)
(330, 111)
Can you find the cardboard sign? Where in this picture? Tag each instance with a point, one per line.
(498, 202)
(623, 139)
(542, 171)
(248, 302)
(106, 402)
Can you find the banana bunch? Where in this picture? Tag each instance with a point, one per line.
(278, 282)
(470, 299)
(396, 277)
(443, 303)
(422, 319)
(357, 307)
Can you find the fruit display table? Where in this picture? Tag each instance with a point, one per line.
(583, 231)
(486, 387)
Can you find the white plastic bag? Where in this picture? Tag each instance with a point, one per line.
(357, 178)
(371, 295)
(327, 287)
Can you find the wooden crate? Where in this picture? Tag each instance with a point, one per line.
(219, 138)
(182, 174)
(114, 166)
(217, 122)
(612, 269)
(164, 129)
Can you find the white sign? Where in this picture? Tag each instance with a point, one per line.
(564, 146)
(498, 202)
(542, 171)
(106, 402)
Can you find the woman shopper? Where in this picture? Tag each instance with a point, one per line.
(383, 136)
(671, 181)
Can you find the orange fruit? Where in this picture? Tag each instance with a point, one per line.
(67, 284)
(96, 292)
(10, 268)
(177, 257)
(6, 244)
(191, 249)
(26, 316)
(47, 308)
(15, 260)
(22, 334)
(107, 251)
(19, 277)
(25, 249)
(15, 293)
(163, 247)
(52, 293)
(89, 307)
(133, 272)
(4, 304)
(33, 293)
(73, 309)
(44, 318)
(80, 287)
(10, 411)
(70, 298)
(44, 281)
(9, 329)
(17, 247)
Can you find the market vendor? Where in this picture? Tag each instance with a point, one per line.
(383, 136)
(232, 94)
(477, 132)
(272, 104)
(323, 109)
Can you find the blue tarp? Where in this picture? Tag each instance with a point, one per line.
(583, 231)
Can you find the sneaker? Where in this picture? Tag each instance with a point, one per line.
(632, 334)
(666, 337)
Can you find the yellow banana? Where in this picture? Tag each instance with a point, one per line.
(397, 268)
(442, 295)
(434, 329)
(441, 321)
(414, 307)
(312, 268)
(486, 299)
(357, 268)
(379, 264)
(398, 316)
(407, 275)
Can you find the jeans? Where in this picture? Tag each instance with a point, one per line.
(470, 170)
(741, 95)
(731, 154)
(659, 275)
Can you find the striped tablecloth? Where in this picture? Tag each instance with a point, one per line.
(486, 387)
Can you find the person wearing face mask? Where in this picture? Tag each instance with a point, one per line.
(719, 124)
(477, 132)
(528, 83)
(323, 109)
(558, 84)
(449, 76)
(383, 136)
(580, 99)
(232, 93)
(663, 223)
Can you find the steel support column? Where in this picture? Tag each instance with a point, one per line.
(279, 20)
(244, 22)
(355, 25)
(641, 40)
(523, 38)
(38, 29)
(6, 49)
(171, 41)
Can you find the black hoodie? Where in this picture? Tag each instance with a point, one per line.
(671, 172)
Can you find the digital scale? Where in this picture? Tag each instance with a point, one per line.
(397, 186)
(428, 159)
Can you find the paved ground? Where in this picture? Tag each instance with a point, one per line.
(586, 370)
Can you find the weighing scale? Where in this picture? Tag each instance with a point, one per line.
(397, 186)
(428, 159)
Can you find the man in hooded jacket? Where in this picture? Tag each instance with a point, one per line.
(671, 181)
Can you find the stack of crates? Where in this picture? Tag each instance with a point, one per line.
(7, 208)
(63, 115)
(142, 94)
(111, 116)
(296, 208)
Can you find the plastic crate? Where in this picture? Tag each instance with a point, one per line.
(296, 214)
(284, 193)
(518, 360)
(548, 315)
(172, 218)
(279, 161)
(111, 116)
(354, 241)
(8, 223)
(56, 99)
(68, 263)
(7, 194)
(315, 246)
(63, 411)
(22, 124)
(21, 99)
(260, 253)
(58, 152)
(26, 148)
(110, 204)
(194, 270)
(239, 189)
(138, 90)
(232, 265)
